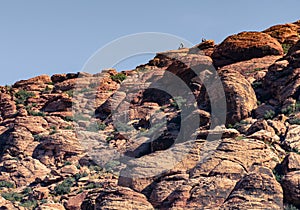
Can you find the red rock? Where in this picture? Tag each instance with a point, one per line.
(245, 46)
(284, 33)
(74, 203)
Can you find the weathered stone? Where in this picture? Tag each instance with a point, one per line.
(240, 96)
(291, 163)
(256, 190)
(292, 139)
(117, 198)
(7, 106)
(291, 188)
(51, 206)
(245, 46)
(284, 33)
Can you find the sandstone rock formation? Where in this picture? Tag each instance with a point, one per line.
(245, 46)
(151, 138)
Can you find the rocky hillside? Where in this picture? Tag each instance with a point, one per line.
(154, 137)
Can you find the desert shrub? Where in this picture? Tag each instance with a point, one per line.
(294, 121)
(269, 114)
(64, 187)
(47, 90)
(93, 185)
(288, 110)
(290, 207)
(80, 175)
(291, 109)
(29, 204)
(118, 77)
(109, 166)
(69, 118)
(278, 176)
(67, 163)
(95, 127)
(286, 47)
(95, 168)
(33, 113)
(12, 196)
(53, 130)
(109, 138)
(22, 96)
(70, 93)
(69, 127)
(256, 85)
(37, 137)
(6, 184)
(178, 102)
(27, 191)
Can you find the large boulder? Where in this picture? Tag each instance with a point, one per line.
(240, 96)
(115, 198)
(7, 106)
(245, 46)
(211, 183)
(284, 33)
(34, 84)
(291, 188)
(256, 190)
(282, 80)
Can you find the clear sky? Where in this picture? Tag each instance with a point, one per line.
(58, 36)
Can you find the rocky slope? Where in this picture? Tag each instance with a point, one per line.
(64, 143)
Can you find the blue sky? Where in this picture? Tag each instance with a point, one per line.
(58, 36)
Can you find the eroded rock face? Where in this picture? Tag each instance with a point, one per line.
(49, 152)
(285, 33)
(291, 188)
(117, 198)
(34, 84)
(292, 139)
(282, 80)
(240, 96)
(7, 106)
(265, 193)
(245, 46)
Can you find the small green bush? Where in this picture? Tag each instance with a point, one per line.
(37, 137)
(27, 191)
(64, 187)
(286, 47)
(53, 130)
(70, 93)
(290, 207)
(178, 102)
(69, 118)
(6, 184)
(269, 114)
(22, 96)
(33, 113)
(29, 204)
(69, 127)
(67, 163)
(278, 177)
(12, 196)
(95, 168)
(294, 121)
(79, 175)
(291, 109)
(47, 90)
(118, 77)
(256, 85)
(93, 186)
